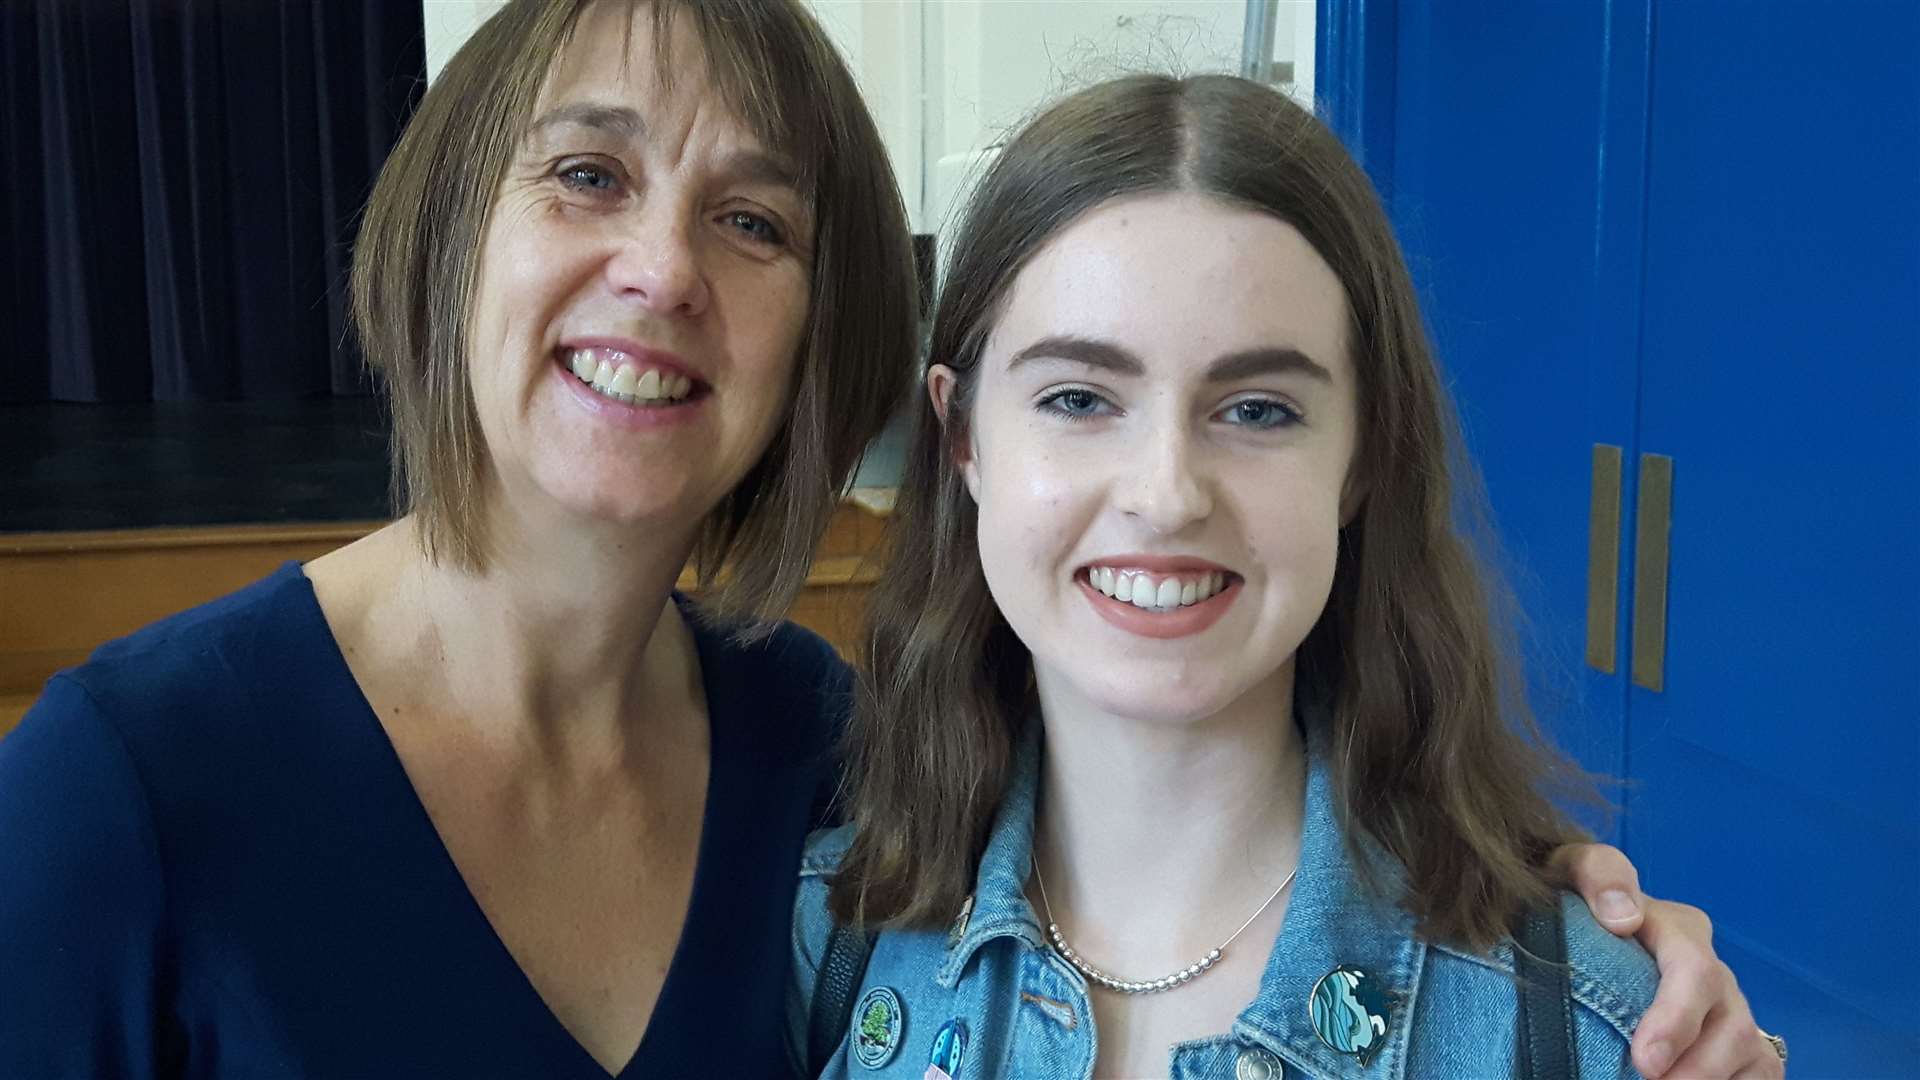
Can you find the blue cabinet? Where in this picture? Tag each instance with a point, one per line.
(1691, 231)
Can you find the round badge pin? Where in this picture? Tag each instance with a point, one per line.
(877, 1024)
(1350, 1011)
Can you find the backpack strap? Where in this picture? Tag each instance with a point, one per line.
(841, 970)
(1544, 1025)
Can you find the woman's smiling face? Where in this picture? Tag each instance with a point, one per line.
(1160, 435)
(643, 289)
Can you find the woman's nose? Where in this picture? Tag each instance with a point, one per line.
(1164, 486)
(658, 264)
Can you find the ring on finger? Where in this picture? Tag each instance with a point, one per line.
(1779, 1044)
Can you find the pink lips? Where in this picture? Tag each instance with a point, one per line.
(636, 417)
(1180, 622)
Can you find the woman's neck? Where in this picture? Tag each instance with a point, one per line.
(1157, 839)
(557, 646)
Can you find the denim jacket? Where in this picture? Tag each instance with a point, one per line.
(1018, 1009)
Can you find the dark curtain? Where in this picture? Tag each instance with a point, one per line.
(180, 186)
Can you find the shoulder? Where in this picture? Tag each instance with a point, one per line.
(174, 711)
(186, 662)
(825, 848)
(786, 657)
(1612, 978)
(83, 901)
(781, 692)
(812, 922)
(813, 925)
(1611, 981)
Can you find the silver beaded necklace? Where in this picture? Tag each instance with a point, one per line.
(1149, 986)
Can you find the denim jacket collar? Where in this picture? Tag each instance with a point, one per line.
(1332, 920)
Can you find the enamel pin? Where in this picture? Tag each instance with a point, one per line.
(949, 1048)
(876, 1027)
(1350, 1012)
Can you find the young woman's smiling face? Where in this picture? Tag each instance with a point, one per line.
(1160, 438)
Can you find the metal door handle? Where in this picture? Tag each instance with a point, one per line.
(1651, 534)
(1603, 559)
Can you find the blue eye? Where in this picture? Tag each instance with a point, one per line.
(1073, 403)
(586, 176)
(1261, 414)
(755, 226)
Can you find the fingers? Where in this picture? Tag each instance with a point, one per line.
(1699, 1024)
(1693, 983)
(1607, 881)
(1730, 1045)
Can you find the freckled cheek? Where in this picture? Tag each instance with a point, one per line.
(1038, 514)
(1293, 524)
(768, 324)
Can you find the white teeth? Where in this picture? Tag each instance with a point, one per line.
(626, 382)
(1142, 591)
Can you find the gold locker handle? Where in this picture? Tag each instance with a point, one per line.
(1654, 524)
(1603, 559)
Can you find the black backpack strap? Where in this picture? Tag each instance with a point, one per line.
(1544, 1026)
(841, 970)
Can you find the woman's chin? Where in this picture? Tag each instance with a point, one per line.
(1161, 703)
(598, 504)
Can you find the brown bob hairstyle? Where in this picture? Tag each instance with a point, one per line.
(1438, 762)
(417, 259)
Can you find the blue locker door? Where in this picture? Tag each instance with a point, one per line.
(1779, 767)
(1523, 238)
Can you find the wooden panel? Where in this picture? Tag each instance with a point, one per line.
(64, 594)
(12, 708)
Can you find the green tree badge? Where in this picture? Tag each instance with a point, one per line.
(873, 1026)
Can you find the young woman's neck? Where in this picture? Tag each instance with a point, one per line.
(1155, 839)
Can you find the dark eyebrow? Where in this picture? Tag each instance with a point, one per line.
(749, 166)
(615, 119)
(1095, 354)
(1240, 365)
(1110, 357)
(757, 167)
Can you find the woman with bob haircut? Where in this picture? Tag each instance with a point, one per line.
(1188, 742)
(481, 794)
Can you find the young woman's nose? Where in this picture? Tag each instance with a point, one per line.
(657, 264)
(1163, 485)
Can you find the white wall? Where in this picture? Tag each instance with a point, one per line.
(448, 23)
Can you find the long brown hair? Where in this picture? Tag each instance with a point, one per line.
(416, 266)
(1436, 756)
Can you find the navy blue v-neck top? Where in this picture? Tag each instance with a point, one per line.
(212, 864)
